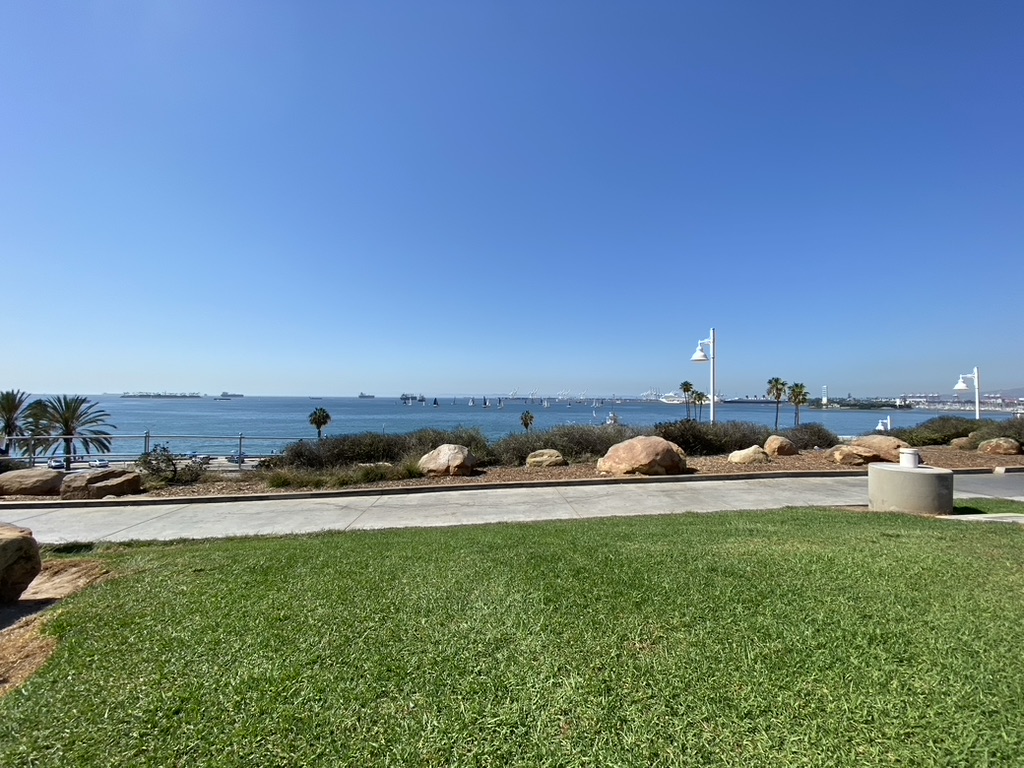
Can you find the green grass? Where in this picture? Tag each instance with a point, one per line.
(801, 637)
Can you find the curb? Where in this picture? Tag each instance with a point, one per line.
(128, 501)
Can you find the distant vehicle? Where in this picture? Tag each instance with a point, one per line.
(55, 463)
(98, 463)
(234, 458)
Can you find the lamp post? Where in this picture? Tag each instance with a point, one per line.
(884, 425)
(700, 357)
(961, 386)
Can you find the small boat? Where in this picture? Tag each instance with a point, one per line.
(486, 404)
(471, 402)
(435, 402)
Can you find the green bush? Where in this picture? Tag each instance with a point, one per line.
(808, 436)
(8, 464)
(938, 431)
(158, 465)
(701, 439)
(512, 451)
(1006, 428)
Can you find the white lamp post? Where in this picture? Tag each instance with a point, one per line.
(700, 357)
(884, 425)
(961, 386)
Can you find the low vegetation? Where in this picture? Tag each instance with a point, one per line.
(942, 429)
(802, 637)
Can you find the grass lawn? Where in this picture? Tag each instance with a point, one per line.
(802, 637)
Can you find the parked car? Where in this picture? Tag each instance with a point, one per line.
(98, 463)
(55, 463)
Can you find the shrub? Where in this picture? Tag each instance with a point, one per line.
(158, 465)
(1007, 428)
(808, 436)
(699, 439)
(8, 464)
(512, 451)
(938, 431)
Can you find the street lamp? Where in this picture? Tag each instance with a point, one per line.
(700, 357)
(884, 425)
(961, 386)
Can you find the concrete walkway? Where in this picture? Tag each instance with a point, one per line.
(356, 511)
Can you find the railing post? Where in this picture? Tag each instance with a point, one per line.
(239, 451)
(145, 446)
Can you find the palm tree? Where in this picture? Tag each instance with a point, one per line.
(13, 416)
(319, 418)
(798, 396)
(70, 420)
(776, 391)
(699, 398)
(687, 389)
(527, 420)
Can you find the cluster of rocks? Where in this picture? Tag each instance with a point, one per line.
(88, 484)
(657, 456)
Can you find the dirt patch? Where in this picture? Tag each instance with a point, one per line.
(23, 647)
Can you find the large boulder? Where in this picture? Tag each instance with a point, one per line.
(997, 446)
(545, 457)
(448, 459)
(643, 456)
(853, 455)
(19, 561)
(962, 443)
(887, 448)
(97, 484)
(38, 481)
(777, 445)
(755, 454)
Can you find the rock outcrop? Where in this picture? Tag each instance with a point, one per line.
(755, 454)
(643, 456)
(448, 459)
(545, 457)
(38, 481)
(777, 445)
(100, 483)
(997, 446)
(853, 455)
(19, 561)
(887, 448)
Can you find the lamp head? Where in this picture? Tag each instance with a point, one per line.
(881, 426)
(961, 385)
(699, 356)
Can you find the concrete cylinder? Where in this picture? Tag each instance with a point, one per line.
(909, 457)
(895, 488)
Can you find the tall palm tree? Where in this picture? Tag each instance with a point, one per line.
(13, 416)
(70, 420)
(699, 398)
(687, 389)
(776, 391)
(527, 420)
(798, 396)
(319, 418)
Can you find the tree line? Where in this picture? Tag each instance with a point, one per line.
(47, 423)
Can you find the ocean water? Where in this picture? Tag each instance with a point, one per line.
(264, 425)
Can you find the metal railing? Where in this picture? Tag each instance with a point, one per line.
(219, 449)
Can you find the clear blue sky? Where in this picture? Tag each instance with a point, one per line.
(466, 197)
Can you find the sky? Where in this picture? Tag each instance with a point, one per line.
(323, 198)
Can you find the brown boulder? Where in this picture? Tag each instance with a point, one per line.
(853, 455)
(885, 447)
(755, 454)
(19, 561)
(777, 445)
(643, 456)
(96, 484)
(448, 459)
(999, 446)
(962, 443)
(545, 457)
(38, 481)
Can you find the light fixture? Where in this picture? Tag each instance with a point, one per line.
(961, 386)
(711, 356)
(884, 425)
